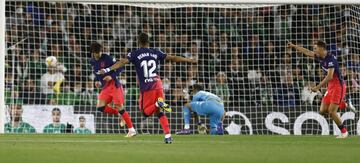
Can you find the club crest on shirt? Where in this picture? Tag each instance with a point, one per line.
(102, 64)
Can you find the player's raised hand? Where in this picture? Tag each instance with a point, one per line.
(107, 78)
(97, 84)
(193, 61)
(315, 89)
(290, 44)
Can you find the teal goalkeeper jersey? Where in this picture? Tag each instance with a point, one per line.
(54, 129)
(23, 128)
(82, 131)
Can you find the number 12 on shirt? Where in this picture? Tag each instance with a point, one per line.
(148, 73)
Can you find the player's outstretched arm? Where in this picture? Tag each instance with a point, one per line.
(307, 52)
(179, 59)
(328, 77)
(115, 66)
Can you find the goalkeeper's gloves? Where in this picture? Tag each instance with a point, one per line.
(202, 129)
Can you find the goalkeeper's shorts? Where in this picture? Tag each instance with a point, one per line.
(335, 94)
(213, 109)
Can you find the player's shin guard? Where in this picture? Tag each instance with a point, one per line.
(186, 115)
(101, 109)
(164, 122)
(126, 118)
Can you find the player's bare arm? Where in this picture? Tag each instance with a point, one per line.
(97, 84)
(307, 52)
(328, 77)
(179, 59)
(115, 66)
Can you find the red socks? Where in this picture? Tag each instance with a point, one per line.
(110, 110)
(126, 118)
(164, 123)
(124, 114)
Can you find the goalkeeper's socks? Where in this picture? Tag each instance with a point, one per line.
(342, 128)
(126, 118)
(186, 115)
(164, 122)
(111, 110)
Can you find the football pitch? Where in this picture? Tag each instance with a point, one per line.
(185, 149)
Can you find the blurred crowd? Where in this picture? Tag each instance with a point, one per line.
(242, 52)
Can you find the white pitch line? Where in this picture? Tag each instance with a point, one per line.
(73, 141)
(131, 140)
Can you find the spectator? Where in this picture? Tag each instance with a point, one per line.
(224, 43)
(192, 76)
(9, 81)
(36, 65)
(354, 63)
(212, 34)
(74, 48)
(212, 61)
(161, 41)
(49, 81)
(237, 80)
(178, 94)
(76, 74)
(221, 88)
(30, 94)
(89, 95)
(22, 68)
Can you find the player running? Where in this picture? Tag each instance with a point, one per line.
(112, 90)
(206, 104)
(146, 61)
(336, 86)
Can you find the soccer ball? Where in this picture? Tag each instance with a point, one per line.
(51, 61)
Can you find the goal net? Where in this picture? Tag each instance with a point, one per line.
(241, 52)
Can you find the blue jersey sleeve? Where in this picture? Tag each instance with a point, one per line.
(97, 77)
(197, 97)
(331, 62)
(161, 55)
(116, 73)
(130, 57)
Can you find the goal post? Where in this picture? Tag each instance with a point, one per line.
(2, 67)
(240, 47)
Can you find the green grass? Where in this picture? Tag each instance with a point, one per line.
(185, 149)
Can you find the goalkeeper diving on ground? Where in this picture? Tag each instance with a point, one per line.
(205, 104)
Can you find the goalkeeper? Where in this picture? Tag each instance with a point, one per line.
(205, 104)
